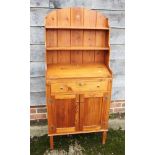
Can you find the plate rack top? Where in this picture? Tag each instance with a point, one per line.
(76, 36)
(76, 18)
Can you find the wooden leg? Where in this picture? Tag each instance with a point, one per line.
(104, 137)
(51, 143)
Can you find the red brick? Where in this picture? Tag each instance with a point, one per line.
(112, 101)
(41, 110)
(118, 104)
(32, 117)
(115, 104)
(119, 110)
(38, 116)
(119, 100)
(123, 104)
(33, 110)
(111, 110)
(112, 105)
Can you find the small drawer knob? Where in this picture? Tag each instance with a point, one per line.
(80, 84)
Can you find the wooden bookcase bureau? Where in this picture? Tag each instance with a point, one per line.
(78, 77)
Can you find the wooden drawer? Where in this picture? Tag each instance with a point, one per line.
(80, 86)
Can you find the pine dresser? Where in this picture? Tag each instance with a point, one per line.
(78, 76)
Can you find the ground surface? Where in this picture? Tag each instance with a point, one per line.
(81, 144)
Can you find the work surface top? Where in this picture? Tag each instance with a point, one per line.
(77, 71)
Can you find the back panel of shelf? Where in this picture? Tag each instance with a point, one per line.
(84, 45)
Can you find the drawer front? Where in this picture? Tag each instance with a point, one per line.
(63, 87)
(79, 86)
(92, 85)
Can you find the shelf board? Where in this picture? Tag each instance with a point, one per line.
(76, 48)
(79, 28)
(57, 71)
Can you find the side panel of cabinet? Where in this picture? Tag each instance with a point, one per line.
(50, 110)
(63, 114)
(105, 109)
(94, 109)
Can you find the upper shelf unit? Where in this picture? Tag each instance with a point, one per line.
(77, 36)
(76, 29)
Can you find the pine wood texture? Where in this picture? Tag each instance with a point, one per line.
(76, 71)
(78, 77)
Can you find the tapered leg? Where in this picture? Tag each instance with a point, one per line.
(104, 137)
(51, 143)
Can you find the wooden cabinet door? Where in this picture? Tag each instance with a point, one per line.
(63, 113)
(94, 110)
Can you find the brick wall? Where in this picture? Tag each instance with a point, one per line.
(40, 112)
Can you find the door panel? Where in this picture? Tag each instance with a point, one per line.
(65, 111)
(93, 112)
